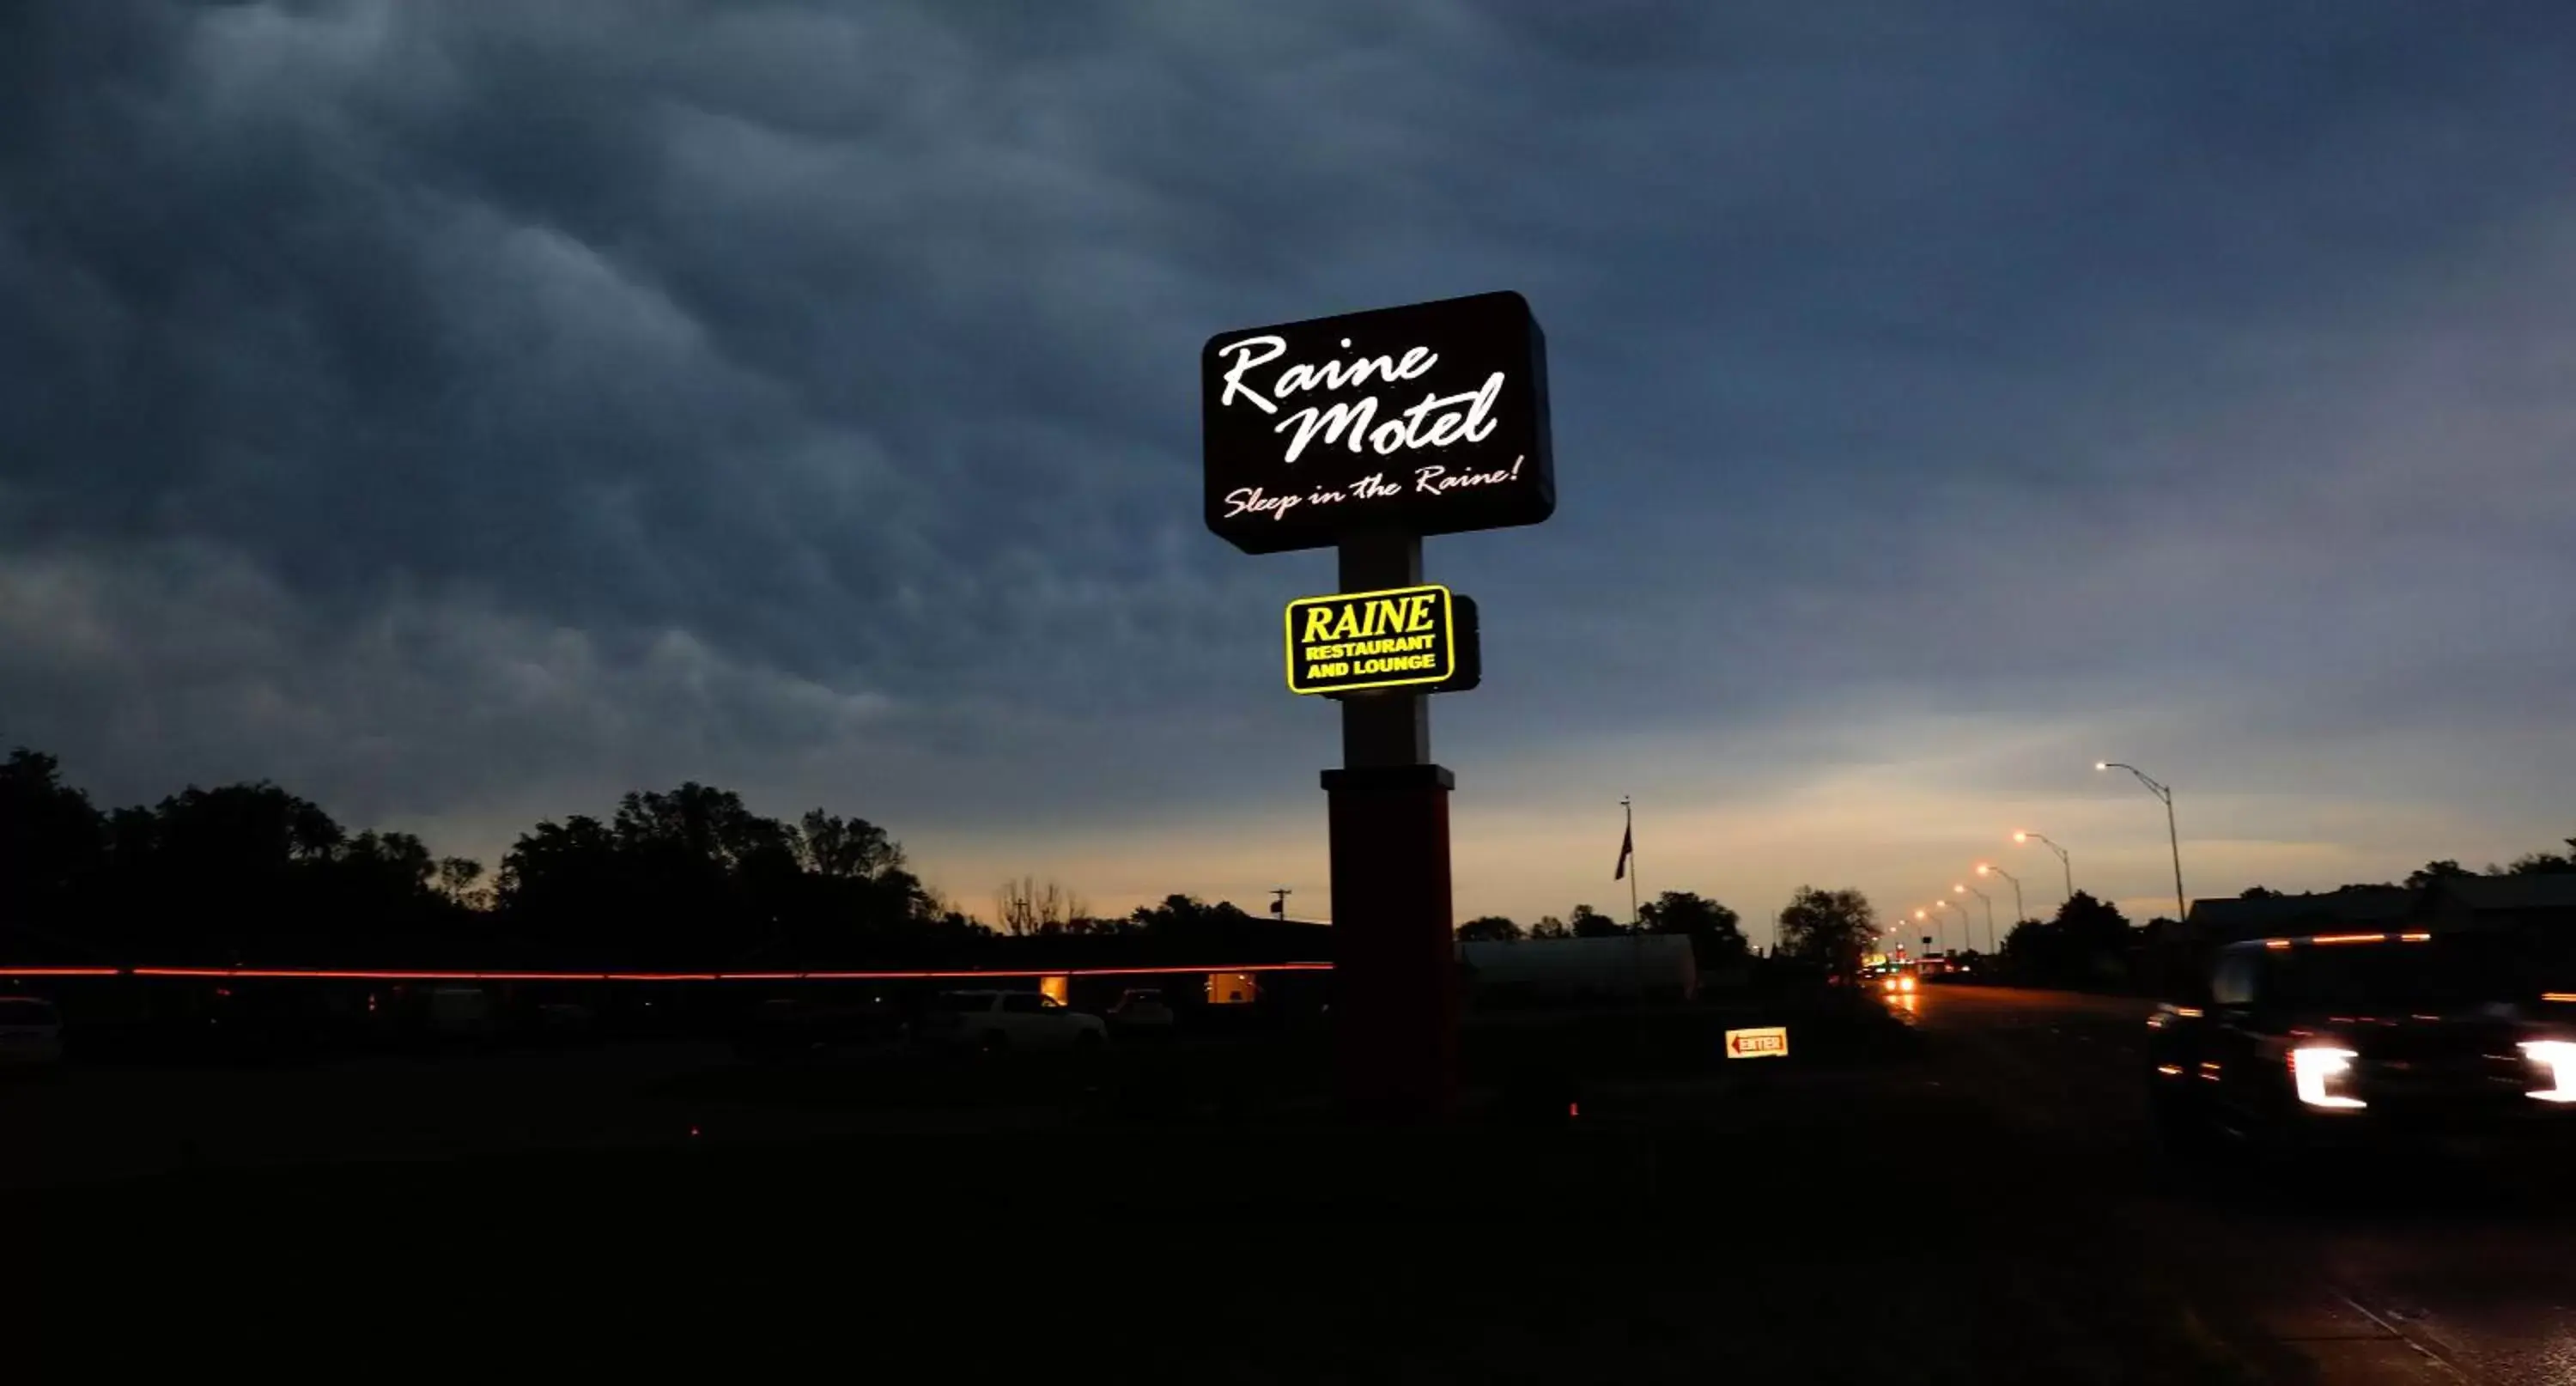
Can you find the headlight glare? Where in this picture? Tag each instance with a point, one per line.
(2558, 1059)
(2314, 1070)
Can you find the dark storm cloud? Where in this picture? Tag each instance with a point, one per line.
(433, 402)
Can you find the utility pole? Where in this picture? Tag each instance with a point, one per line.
(1279, 906)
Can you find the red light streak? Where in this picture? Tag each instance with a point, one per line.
(393, 975)
(661, 976)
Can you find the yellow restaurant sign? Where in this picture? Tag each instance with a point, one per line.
(1355, 640)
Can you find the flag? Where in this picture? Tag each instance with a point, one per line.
(1627, 849)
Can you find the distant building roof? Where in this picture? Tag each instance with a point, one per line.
(2513, 893)
(2281, 914)
(2452, 902)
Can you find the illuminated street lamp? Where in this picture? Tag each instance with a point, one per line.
(1987, 868)
(1921, 916)
(1964, 935)
(2062, 859)
(2172, 837)
(1990, 913)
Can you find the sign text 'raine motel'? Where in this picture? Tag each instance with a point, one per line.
(1426, 419)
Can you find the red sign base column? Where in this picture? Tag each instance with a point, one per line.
(1395, 974)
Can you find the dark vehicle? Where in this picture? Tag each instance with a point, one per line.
(2345, 1039)
(31, 1031)
(784, 1027)
(1143, 1013)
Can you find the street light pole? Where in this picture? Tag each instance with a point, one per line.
(1987, 868)
(2063, 860)
(1964, 922)
(2172, 837)
(1990, 915)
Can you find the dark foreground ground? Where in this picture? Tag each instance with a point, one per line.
(1970, 1200)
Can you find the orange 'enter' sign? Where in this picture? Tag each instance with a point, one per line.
(1766, 1043)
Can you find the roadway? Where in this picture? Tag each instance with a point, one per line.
(1984, 1205)
(2434, 1273)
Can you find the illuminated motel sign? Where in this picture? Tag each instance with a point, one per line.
(1406, 637)
(1425, 419)
(1366, 432)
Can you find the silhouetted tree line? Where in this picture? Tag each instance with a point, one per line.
(685, 880)
(2528, 864)
(1713, 929)
(2087, 943)
(1824, 931)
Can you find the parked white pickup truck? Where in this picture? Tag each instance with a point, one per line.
(998, 1020)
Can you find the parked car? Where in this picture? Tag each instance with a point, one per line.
(793, 1025)
(461, 1011)
(31, 1031)
(999, 1020)
(2344, 1040)
(563, 1018)
(1141, 1012)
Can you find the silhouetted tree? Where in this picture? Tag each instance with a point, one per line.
(1830, 929)
(2432, 871)
(1714, 930)
(1549, 926)
(559, 865)
(51, 841)
(239, 831)
(845, 848)
(1187, 916)
(461, 879)
(1491, 928)
(2089, 942)
(2544, 863)
(1587, 922)
(2259, 893)
(1025, 908)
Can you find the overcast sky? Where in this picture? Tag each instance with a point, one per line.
(463, 413)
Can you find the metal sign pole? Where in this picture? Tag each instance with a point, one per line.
(1395, 985)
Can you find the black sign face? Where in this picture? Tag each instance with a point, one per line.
(1427, 419)
(1402, 637)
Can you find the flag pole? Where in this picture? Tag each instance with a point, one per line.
(1629, 835)
(1636, 925)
